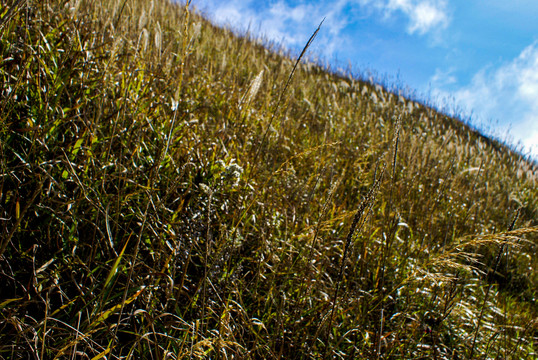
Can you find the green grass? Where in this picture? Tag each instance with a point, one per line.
(171, 190)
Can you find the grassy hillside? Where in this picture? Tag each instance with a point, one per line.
(169, 190)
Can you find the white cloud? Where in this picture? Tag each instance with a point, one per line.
(508, 94)
(528, 76)
(282, 21)
(424, 15)
(283, 11)
(293, 22)
(229, 13)
(444, 77)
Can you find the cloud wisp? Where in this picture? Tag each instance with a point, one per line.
(292, 22)
(288, 23)
(509, 91)
(424, 16)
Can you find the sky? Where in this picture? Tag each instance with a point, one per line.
(474, 58)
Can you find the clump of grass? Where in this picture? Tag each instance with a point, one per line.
(171, 190)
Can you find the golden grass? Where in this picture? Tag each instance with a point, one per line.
(171, 190)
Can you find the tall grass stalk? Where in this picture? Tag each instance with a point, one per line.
(276, 109)
(358, 221)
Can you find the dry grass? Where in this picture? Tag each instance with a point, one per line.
(169, 190)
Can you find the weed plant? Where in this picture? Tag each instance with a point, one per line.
(170, 190)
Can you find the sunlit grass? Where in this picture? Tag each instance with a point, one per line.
(170, 190)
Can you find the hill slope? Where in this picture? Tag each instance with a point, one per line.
(170, 190)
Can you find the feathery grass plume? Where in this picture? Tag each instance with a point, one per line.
(283, 92)
(158, 39)
(248, 96)
(255, 87)
(143, 40)
(142, 21)
(196, 32)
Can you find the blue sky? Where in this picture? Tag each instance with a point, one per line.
(476, 57)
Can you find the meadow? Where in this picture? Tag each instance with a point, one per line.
(171, 190)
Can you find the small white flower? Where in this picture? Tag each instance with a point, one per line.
(175, 103)
(206, 189)
(233, 173)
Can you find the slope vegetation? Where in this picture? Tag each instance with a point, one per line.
(170, 190)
